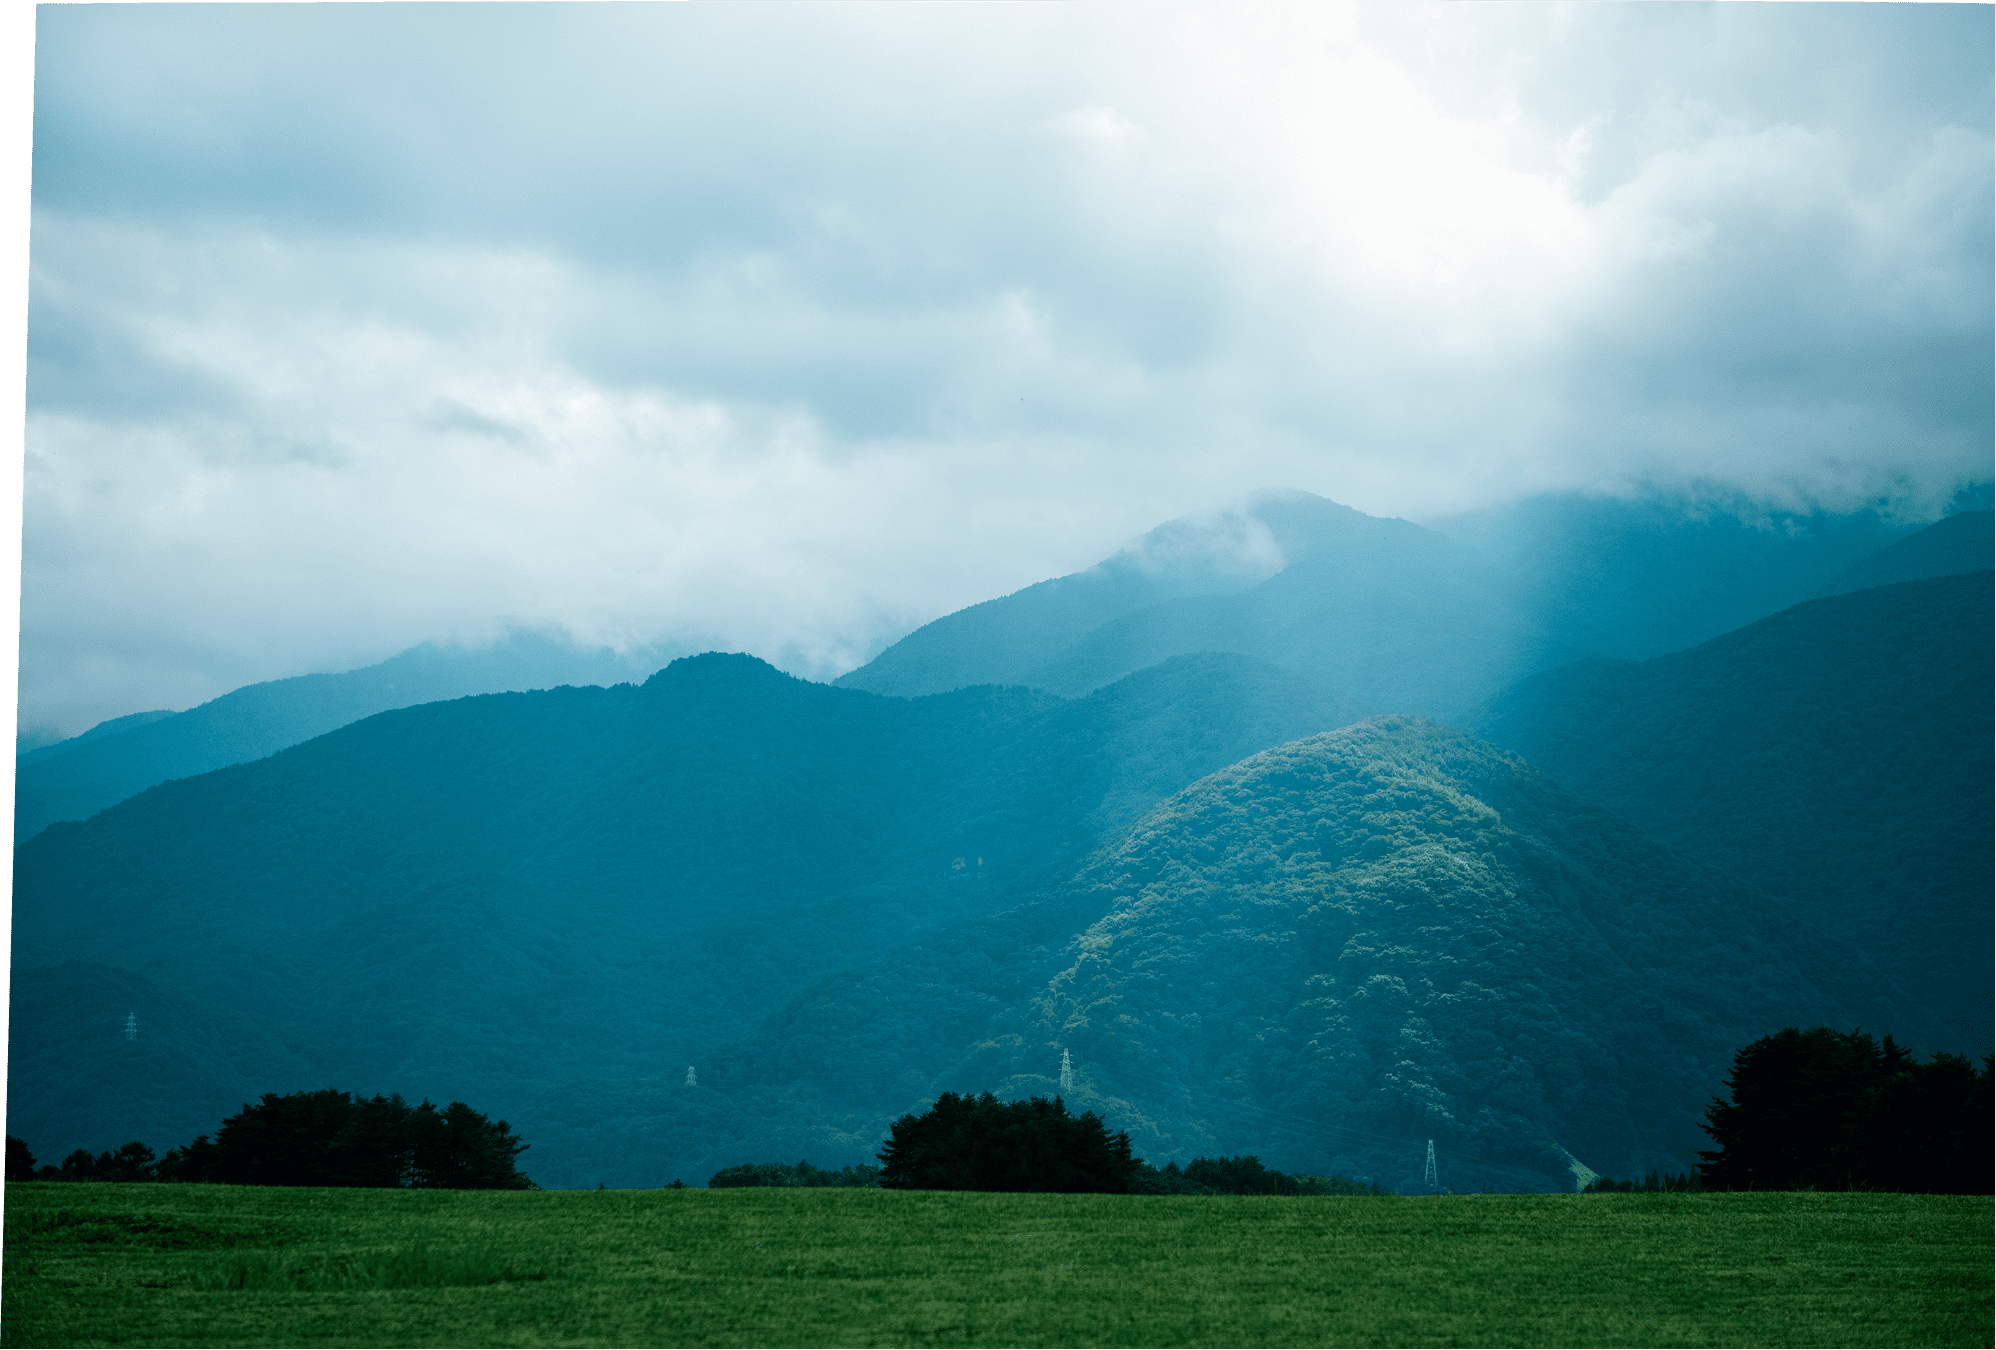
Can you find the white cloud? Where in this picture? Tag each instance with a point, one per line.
(1100, 126)
(790, 329)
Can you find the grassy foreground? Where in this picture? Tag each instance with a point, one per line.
(213, 1265)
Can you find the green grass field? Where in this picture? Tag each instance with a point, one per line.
(214, 1265)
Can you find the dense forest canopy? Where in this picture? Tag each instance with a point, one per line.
(1395, 932)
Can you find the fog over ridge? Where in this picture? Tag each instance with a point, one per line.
(357, 327)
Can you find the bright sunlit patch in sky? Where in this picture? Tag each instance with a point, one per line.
(788, 328)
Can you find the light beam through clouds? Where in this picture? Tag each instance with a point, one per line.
(788, 328)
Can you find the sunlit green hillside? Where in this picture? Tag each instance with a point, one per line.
(1327, 954)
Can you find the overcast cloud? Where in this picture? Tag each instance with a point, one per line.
(786, 328)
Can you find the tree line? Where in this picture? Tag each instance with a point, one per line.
(1246, 1175)
(983, 1144)
(803, 1174)
(1815, 1109)
(327, 1138)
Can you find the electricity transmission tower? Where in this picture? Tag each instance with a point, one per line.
(131, 1026)
(691, 1081)
(1066, 1072)
(1428, 1177)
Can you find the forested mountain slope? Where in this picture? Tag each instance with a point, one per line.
(1327, 954)
(113, 726)
(467, 898)
(1837, 753)
(76, 778)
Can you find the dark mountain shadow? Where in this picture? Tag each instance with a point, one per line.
(1837, 753)
(1635, 577)
(1964, 542)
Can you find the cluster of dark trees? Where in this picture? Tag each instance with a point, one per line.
(1832, 1110)
(966, 1143)
(328, 1138)
(803, 1174)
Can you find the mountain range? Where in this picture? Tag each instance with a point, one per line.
(1398, 616)
(1367, 845)
(1549, 577)
(588, 876)
(75, 778)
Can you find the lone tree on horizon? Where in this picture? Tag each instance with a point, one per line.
(982, 1144)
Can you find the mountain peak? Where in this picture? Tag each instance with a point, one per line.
(718, 670)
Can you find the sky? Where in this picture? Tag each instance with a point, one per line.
(787, 328)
